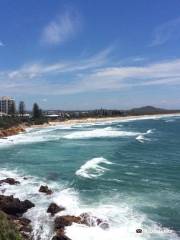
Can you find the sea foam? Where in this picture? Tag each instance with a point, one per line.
(100, 133)
(93, 168)
(120, 215)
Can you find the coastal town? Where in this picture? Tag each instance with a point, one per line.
(14, 117)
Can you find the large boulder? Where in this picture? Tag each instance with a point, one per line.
(91, 221)
(10, 181)
(60, 235)
(54, 208)
(45, 189)
(14, 206)
(84, 218)
(67, 220)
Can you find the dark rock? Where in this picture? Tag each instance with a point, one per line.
(92, 221)
(54, 208)
(64, 221)
(45, 189)
(60, 235)
(10, 181)
(60, 238)
(14, 206)
(139, 230)
(84, 218)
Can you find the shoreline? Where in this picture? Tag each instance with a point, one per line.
(105, 119)
(22, 128)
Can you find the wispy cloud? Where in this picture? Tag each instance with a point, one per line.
(95, 73)
(37, 70)
(166, 32)
(62, 28)
(1, 44)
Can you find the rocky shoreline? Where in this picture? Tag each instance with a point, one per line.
(11, 131)
(13, 208)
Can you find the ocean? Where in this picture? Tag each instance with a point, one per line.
(124, 172)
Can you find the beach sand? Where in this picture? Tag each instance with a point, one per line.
(107, 119)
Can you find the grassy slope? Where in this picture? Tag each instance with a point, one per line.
(7, 229)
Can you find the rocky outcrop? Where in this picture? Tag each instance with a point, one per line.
(13, 206)
(54, 208)
(23, 226)
(10, 181)
(11, 131)
(92, 221)
(45, 189)
(64, 221)
(14, 209)
(61, 222)
(60, 235)
(84, 218)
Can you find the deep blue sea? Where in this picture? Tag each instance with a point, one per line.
(125, 172)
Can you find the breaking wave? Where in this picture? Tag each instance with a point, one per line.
(120, 215)
(100, 133)
(92, 168)
(141, 138)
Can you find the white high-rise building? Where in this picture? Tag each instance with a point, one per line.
(6, 104)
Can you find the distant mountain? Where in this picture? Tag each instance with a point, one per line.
(150, 110)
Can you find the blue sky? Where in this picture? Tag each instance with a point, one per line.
(85, 54)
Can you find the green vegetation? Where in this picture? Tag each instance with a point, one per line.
(37, 112)
(7, 229)
(37, 116)
(7, 122)
(13, 120)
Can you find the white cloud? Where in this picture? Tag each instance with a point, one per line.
(62, 28)
(95, 73)
(1, 44)
(37, 70)
(165, 32)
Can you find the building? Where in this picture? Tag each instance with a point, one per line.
(6, 105)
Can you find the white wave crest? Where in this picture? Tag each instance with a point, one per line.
(92, 168)
(100, 133)
(141, 138)
(119, 214)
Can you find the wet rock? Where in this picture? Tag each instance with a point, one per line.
(60, 235)
(92, 221)
(45, 189)
(54, 208)
(10, 181)
(14, 206)
(84, 218)
(67, 220)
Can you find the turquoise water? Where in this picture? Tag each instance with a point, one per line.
(125, 172)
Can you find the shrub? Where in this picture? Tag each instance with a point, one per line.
(7, 229)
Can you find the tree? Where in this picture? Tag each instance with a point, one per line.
(21, 108)
(37, 113)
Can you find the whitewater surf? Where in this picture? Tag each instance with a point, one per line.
(126, 173)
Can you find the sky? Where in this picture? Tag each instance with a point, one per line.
(86, 54)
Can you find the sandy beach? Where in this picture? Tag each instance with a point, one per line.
(105, 119)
